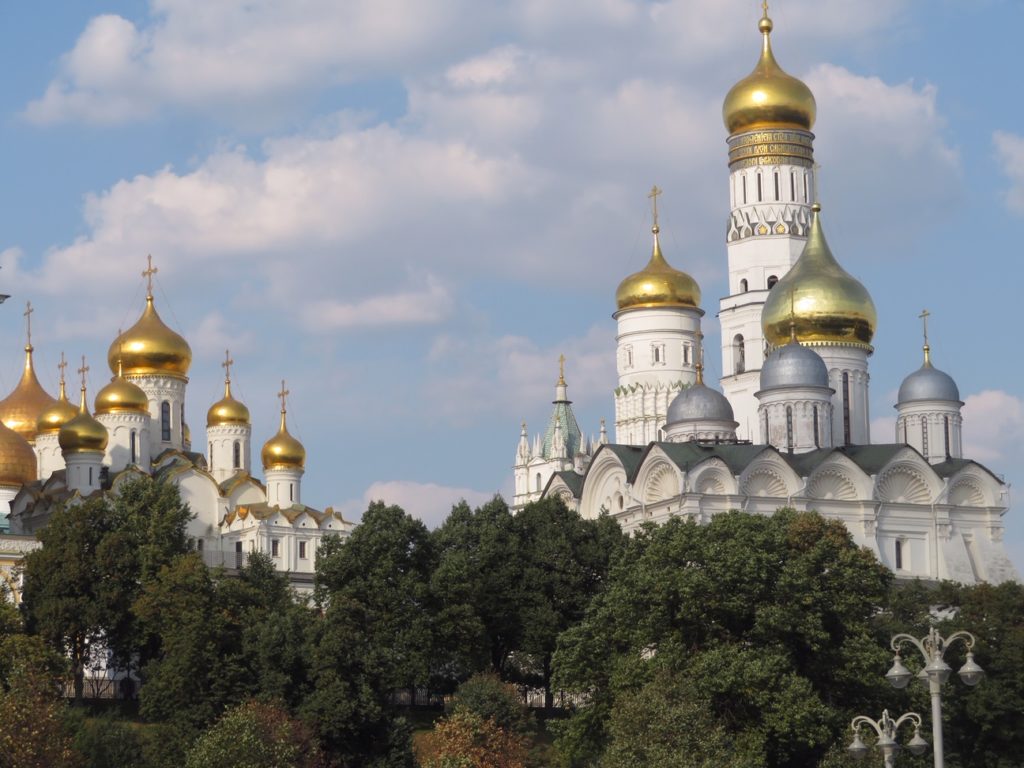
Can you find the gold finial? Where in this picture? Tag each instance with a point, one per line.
(792, 315)
(925, 314)
(28, 322)
(226, 365)
(82, 371)
(653, 195)
(283, 394)
(765, 24)
(148, 273)
(561, 371)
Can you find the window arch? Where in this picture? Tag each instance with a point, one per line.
(778, 192)
(772, 280)
(165, 421)
(817, 440)
(132, 443)
(789, 428)
(743, 285)
(760, 195)
(739, 355)
(236, 454)
(945, 429)
(846, 408)
(899, 554)
(538, 483)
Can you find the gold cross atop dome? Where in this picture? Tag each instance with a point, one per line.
(63, 364)
(764, 7)
(82, 371)
(654, 193)
(226, 365)
(561, 370)
(283, 394)
(925, 314)
(148, 273)
(28, 321)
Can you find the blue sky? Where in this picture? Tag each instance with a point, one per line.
(410, 208)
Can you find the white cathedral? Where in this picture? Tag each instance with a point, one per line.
(53, 452)
(790, 427)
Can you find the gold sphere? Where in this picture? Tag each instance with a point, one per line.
(150, 347)
(17, 459)
(283, 451)
(121, 396)
(21, 409)
(818, 299)
(227, 410)
(658, 285)
(83, 433)
(768, 97)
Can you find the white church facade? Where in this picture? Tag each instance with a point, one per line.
(791, 424)
(52, 452)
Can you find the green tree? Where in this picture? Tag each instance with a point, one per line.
(255, 734)
(486, 696)
(466, 740)
(768, 619)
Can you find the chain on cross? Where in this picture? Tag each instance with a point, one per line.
(148, 273)
(654, 193)
(283, 394)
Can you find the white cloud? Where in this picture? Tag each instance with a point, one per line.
(993, 430)
(428, 305)
(428, 502)
(1010, 154)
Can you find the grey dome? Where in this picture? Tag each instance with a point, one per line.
(699, 403)
(793, 365)
(928, 383)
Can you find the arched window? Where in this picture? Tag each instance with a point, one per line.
(817, 441)
(778, 192)
(764, 428)
(90, 477)
(132, 447)
(899, 555)
(945, 427)
(760, 195)
(656, 353)
(538, 482)
(789, 428)
(291, 491)
(924, 436)
(905, 441)
(739, 354)
(792, 186)
(236, 454)
(772, 280)
(846, 408)
(743, 285)
(744, 190)
(165, 421)
(806, 185)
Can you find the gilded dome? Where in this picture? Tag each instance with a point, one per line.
(17, 459)
(82, 433)
(820, 299)
(227, 410)
(57, 415)
(283, 451)
(768, 97)
(120, 396)
(658, 284)
(150, 347)
(21, 409)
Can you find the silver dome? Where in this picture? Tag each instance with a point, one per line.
(928, 383)
(793, 365)
(699, 403)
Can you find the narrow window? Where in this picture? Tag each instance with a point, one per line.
(899, 555)
(764, 428)
(759, 192)
(924, 436)
(945, 428)
(291, 492)
(744, 190)
(90, 476)
(165, 421)
(657, 353)
(846, 408)
(236, 454)
(789, 428)
(778, 194)
(210, 454)
(792, 186)
(538, 483)
(905, 441)
(686, 354)
(806, 185)
(199, 545)
(817, 442)
(131, 442)
(772, 280)
(181, 420)
(743, 285)
(302, 550)
(629, 356)
(275, 547)
(739, 354)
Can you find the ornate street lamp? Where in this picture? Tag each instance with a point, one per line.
(886, 729)
(936, 671)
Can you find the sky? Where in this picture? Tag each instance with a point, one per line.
(408, 209)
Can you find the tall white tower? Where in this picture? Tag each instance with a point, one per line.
(284, 461)
(228, 432)
(658, 323)
(769, 116)
(157, 360)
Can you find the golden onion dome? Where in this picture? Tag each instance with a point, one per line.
(121, 396)
(21, 409)
(150, 347)
(819, 300)
(768, 97)
(57, 415)
(83, 433)
(658, 284)
(17, 459)
(227, 410)
(283, 451)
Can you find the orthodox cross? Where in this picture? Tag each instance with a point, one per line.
(148, 273)
(283, 394)
(764, 7)
(654, 202)
(226, 365)
(28, 320)
(83, 370)
(561, 370)
(925, 314)
(61, 366)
